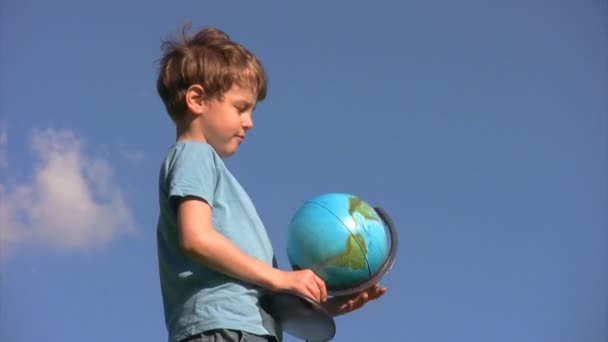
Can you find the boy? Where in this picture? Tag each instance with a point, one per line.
(215, 258)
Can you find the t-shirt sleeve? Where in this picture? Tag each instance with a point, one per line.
(193, 173)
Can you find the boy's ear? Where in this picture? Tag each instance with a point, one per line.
(195, 99)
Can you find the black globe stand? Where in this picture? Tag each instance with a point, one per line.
(306, 319)
(302, 317)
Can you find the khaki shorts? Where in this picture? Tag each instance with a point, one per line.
(225, 335)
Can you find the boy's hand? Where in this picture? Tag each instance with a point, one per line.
(345, 304)
(303, 282)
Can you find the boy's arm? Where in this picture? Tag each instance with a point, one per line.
(203, 243)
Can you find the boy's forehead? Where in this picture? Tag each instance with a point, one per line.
(240, 93)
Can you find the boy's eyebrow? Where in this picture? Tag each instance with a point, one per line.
(245, 103)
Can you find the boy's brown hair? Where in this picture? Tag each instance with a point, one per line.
(209, 58)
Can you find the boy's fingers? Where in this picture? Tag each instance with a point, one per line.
(360, 299)
(315, 291)
(376, 291)
(312, 295)
(315, 288)
(348, 305)
(323, 289)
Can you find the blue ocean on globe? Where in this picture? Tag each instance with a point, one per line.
(340, 237)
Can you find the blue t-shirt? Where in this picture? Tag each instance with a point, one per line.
(197, 298)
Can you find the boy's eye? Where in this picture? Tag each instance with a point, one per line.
(244, 107)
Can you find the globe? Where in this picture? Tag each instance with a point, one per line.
(342, 239)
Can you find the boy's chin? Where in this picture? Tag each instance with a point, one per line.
(226, 150)
(227, 153)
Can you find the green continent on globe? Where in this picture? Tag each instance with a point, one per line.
(356, 205)
(350, 258)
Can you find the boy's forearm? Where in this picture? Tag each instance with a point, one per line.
(220, 254)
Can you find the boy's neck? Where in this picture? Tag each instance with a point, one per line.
(190, 137)
(189, 131)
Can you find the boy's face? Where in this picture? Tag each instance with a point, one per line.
(226, 120)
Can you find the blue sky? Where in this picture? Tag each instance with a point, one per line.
(480, 126)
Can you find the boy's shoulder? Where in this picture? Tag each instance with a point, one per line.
(181, 150)
(193, 146)
(191, 168)
(191, 156)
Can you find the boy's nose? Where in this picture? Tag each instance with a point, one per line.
(248, 122)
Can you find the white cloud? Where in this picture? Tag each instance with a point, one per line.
(134, 157)
(72, 201)
(3, 142)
